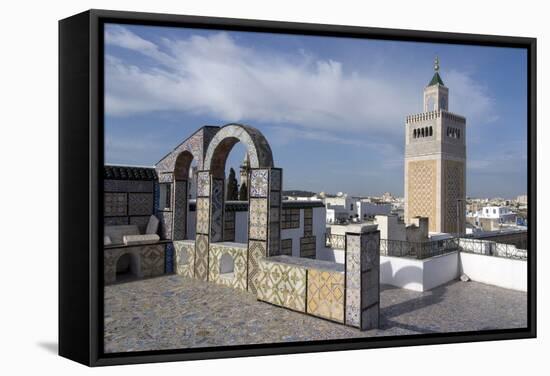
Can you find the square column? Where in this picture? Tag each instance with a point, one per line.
(202, 225)
(264, 219)
(180, 209)
(165, 215)
(363, 278)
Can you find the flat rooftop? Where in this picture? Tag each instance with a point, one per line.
(172, 312)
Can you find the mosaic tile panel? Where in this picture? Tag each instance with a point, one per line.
(113, 185)
(156, 197)
(115, 204)
(276, 179)
(203, 184)
(370, 246)
(370, 284)
(274, 214)
(194, 145)
(325, 294)
(110, 257)
(274, 238)
(258, 219)
(166, 178)
(185, 258)
(259, 183)
(115, 221)
(353, 280)
(275, 199)
(216, 229)
(363, 280)
(282, 285)
(256, 253)
(180, 209)
(201, 257)
(152, 260)
(140, 203)
(169, 259)
(203, 215)
(165, 219)
(259, 152)
(236, 279)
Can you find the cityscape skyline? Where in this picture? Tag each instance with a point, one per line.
(350, 138)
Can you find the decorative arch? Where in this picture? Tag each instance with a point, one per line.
(264, 199)
(173, 170)
(259, 151)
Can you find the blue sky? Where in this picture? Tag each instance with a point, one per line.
(332, 109)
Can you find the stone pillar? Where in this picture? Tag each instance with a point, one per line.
(264, 219)
(202, 225)
(165, 215)
(363, 278)
(217, 198)
(179, 204)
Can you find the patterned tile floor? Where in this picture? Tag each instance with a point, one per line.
(172, 312)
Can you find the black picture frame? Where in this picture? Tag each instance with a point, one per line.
(80, 185)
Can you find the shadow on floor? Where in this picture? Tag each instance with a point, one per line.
(50, 347)
(425, 299)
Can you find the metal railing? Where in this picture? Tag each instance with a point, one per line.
(491, 248)
(427, 249)
(335, 241)
(418, 250)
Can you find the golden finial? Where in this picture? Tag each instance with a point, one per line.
(436, 64)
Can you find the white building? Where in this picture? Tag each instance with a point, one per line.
(521, 199)
(502, 213)
(367, 209)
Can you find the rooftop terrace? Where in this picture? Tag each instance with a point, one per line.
(172, 312)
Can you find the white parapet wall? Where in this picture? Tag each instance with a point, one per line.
(497, 271)
(419, 275)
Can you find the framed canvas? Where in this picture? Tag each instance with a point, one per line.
(236, 187)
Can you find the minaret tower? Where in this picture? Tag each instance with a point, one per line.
(435, 161)
(244, 170)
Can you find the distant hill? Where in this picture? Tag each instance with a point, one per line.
(298, 193)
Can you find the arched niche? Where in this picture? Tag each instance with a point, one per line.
(264, 198)
(181, 184)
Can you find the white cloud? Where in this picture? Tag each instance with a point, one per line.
(216, 77)
(470, 98)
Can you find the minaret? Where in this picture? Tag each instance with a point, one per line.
(435, 161)
(244, 171)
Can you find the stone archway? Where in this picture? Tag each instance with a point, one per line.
(173, 172)
(264, 199)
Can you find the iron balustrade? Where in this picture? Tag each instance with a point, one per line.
(427, 249)
(418, 250)
(335, 241)
(491, 248)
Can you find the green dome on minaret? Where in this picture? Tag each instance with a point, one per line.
(436, 79)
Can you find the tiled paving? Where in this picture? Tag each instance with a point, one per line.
(172, 312)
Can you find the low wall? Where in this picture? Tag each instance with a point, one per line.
(305, 285)
(148, 260)
(497, 271)
(419, 275)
